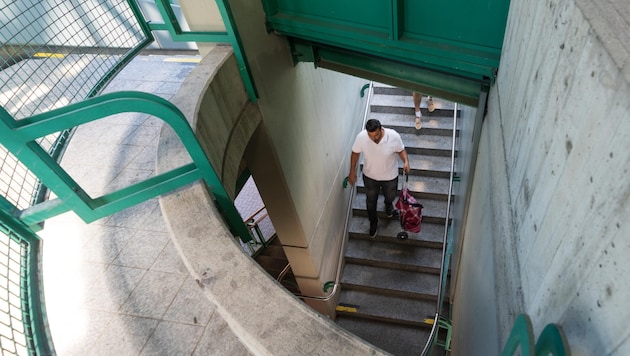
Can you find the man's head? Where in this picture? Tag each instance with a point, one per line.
(373, 127)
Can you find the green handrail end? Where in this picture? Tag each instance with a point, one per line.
(364, 88)
(328, 285)
(521, 335)
(552, 341)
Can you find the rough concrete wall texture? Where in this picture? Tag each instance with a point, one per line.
(561, 105)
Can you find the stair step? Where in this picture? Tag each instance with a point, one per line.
(385, 89)
(392, 309)
(434, 211)
(403, 104)
(431, 145)
(272, 265)
(428, 166)
(273, 250)
(430, 236)
(432, 124)
(398, 340)
(389, 254)
(425, 165)
(390, 282)
(419, 186)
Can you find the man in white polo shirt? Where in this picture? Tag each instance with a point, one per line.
(379, 146)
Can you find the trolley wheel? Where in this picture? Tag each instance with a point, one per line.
(402, 235)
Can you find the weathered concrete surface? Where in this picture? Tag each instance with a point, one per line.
(552, 186)
(266, 318)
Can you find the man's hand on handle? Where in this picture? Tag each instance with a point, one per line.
(352, 177)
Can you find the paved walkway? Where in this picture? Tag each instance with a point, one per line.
(117, 286)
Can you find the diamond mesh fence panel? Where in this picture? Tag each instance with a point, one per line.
(13, 336)
(54, 53)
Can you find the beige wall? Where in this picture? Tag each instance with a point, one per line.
(311, 117)
(551, 188)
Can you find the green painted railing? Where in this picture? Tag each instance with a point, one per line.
(230, 36)
(49, 82)
(550, 342)
(445, 48)
(21, 136)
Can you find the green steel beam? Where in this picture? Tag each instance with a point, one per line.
(463, 59)
(21, 142)
(230, 36)
(458, 40)
(444, 85)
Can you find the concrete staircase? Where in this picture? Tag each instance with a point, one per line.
(389, 285)
(275, 262)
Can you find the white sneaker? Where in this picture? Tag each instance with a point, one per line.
(418, 120)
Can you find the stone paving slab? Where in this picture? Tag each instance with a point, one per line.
(118, 285)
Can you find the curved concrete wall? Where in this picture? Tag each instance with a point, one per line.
(265, 317)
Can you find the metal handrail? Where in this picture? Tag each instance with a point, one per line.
(347, 222)
(434, 328)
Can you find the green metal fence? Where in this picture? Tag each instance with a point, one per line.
(52, 54)
(55, 57)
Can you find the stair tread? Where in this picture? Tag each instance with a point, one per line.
(407, 120)
(427, 142)
(395, 339)
(382, 251)
(390, 307)
(431, 234)
(273, 251)
(272, 264)
(421, 284)
(431, 207)
(424, 184)
(406, 101)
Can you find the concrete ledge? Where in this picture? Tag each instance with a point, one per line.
(262, 314)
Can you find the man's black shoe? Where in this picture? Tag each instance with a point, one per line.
(392, 213)
(373, 226)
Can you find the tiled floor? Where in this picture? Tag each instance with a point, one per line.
(117, 286)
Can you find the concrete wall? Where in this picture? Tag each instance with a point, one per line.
(299, 155)
(311, 116)
(551, 194)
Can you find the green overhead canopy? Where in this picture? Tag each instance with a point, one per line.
(442, 48)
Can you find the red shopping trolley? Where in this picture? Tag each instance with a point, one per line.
(410, 211)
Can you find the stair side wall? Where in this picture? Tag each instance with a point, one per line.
(311, 116)
(551, 189)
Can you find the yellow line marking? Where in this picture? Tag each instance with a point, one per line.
(429, 321)
(346, 309)
(48, 55)
(183, 60)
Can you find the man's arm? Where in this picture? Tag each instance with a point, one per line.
(352, 176)
(403, 156)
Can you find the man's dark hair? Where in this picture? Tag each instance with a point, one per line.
(372, 125)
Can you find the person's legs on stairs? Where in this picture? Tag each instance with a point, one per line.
(390, 189)
(430, 104)
(417, 99)
(371, 195)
